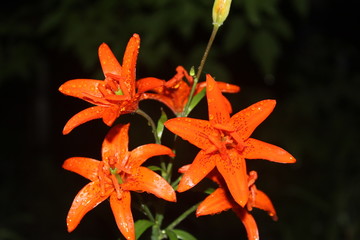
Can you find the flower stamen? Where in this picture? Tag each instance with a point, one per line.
(101, 178)
(116, 180)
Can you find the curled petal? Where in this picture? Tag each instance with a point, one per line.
(108, 61)
(248, 119)
(140, 154)
(149, 83)
(228, 88)
(249, 222)
(117, 98)
(181, 72)
(88, 198)
(115, 144)
(195, 131)
(218, 108)
(143, 179)
(234, 172)
(256, 149)
(129, 63)
(184, 168)
(86, 167)
(262, 201)
(83, 117)
(201, 166)
(110, 115)
(216, 177)
(163, 99)
(83, 89)
(216, 202)
(121, 209)
(224, 87)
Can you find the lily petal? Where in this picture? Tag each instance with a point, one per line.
(121, 209)
(116, 143)
(143, 179)
(227, 104)
(249, 223)
(248, 119)
(262, 201)
(110, 115)
(234, 172)
(224, 87)
(129, 63)
(218, 108)
(149, 83)
(201, 166)
(108, 61)
(88, 198)
(256, 149)
(86, 167)
(84, 116)
(195, 131)
(140, 154)
(216, 202)
(163, 99)
(83, 89)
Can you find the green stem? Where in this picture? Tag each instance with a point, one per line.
(147, 212)
(200, 69)
(171, 163)
(207, 50)
(169, 170)
(157, 234)
(182, 216)
(144, 208)
(151, 123)
(175, 183)
(186, 108)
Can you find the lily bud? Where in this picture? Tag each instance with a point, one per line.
(220, 12)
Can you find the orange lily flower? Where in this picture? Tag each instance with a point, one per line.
(221, 200)
(225, 142)
(175, 92)
(114, 96)
(114, 177)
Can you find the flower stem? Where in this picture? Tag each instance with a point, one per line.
(145, 209)
(193, 87)
(207, 50)
(157, 234)
(182, 216)
(151, 123)
(198, 74)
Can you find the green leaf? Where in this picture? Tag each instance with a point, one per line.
(209, 190)
(195, 100)
(141, 226)
(181, 234)
(160, 124)
(171, 234)
(155, 168)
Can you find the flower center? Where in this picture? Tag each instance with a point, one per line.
(114, 171)
(110, 177)
(226, 139)
(119, 92)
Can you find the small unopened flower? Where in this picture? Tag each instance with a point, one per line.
(220, 12)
